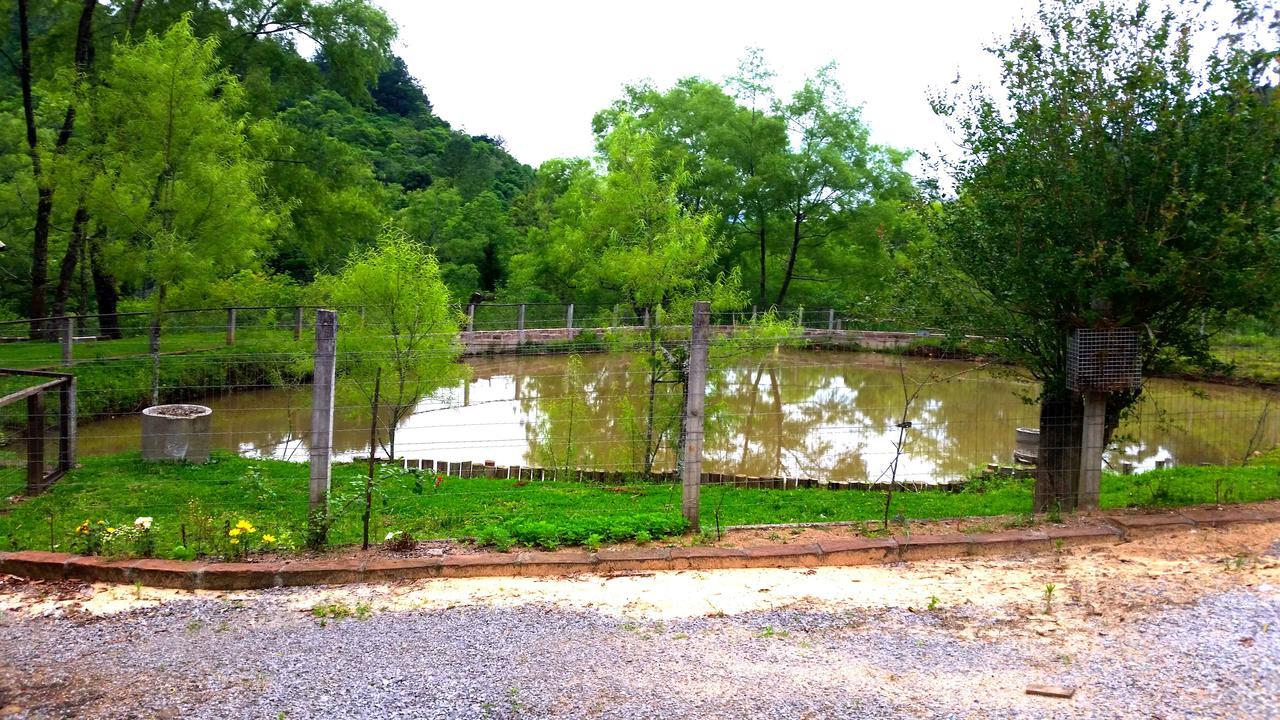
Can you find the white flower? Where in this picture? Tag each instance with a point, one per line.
(392, 535)
(143, 522)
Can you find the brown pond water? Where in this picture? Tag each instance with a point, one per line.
(826, 415)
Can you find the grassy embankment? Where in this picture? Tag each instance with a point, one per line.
(114, 376)
(1250, 356)
(273, 496)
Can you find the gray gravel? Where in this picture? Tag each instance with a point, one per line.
(260, 659)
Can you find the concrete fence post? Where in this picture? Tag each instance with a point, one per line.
(694, 414)
(1091, 449)
(68, 337)
(153, 346)
(568, 318)
(231, 326)
(831, 319)
(520, 325)
(322, 390)
(67, 425)
(297, 323)
(471, 317)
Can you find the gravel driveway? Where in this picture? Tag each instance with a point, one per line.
(1204, 647)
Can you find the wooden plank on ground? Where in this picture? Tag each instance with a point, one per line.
(1053, 691)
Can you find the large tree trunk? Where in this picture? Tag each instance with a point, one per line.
(104, 291)
(791, 259)
(762, 259)
(67, 271)
(1058, 461)
(44, 198)
(134, 10)
(650, 452)
(44, 194)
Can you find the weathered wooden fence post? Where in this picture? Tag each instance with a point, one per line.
(322, 388)
(471, 317)
(153, 346)
(520, 325)
(231, 326)
(694, 413)
(831, 319)
(568, 319)
(35, 443)
(297, 322)
(68, 337)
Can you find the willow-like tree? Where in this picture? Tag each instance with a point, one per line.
(177, 191)
(1115, 180)
(807, 202)
(397, 320)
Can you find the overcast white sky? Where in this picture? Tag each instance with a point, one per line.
(535, 72)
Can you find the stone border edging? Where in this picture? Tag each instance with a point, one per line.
(197, 575)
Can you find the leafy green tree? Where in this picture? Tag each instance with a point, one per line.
(333, 203)
(398, 321)
(831, 178)
(803, 195)
(176, 188)
(399, 92)
(260, 38)
(44, 155)
(546, 263)
(1115, 181)
(472, 239)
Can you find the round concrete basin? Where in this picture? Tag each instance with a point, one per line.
(176, 433)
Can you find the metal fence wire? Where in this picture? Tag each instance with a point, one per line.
(578, 413)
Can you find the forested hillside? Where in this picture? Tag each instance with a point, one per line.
(198, 152)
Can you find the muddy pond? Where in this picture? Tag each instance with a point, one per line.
(794, 413)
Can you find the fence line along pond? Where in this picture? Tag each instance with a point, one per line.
(793, 413)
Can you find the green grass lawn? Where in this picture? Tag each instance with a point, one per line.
(272, 495)
(1253, 356)
(114, 376)
(29, 355)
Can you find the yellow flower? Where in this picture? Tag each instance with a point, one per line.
(235, 541)
(245, 525)
(111, 529)
(268, 538)
(234, 531)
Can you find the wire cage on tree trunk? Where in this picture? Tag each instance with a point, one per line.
(1104, 361)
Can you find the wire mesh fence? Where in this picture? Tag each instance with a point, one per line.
(580, 439)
